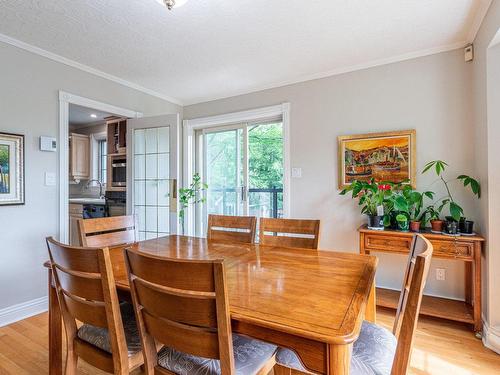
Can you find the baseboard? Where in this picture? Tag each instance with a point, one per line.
(23, 310)
(491, 337)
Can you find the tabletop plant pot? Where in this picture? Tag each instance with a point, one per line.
(415, 226)
(451, 226)
(375, 222)
(437, 225)
(467, 227)
(403, 222)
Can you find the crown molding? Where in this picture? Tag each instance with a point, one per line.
(74, 64)
(482, 10)
(337, 71)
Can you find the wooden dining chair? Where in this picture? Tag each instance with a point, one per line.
(231, 228)
(289, 232)
(106, 231)
(377, 350)
(184, 305)
(86, 291)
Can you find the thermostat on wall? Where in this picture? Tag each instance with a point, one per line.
(48, 144)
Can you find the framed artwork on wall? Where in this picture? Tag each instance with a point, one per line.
(389, 156)
(11, 169)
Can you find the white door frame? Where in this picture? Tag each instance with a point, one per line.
(189, 149)
(65, 99)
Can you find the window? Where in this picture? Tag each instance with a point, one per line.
(102, 161)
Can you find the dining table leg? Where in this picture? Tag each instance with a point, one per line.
(55, 330)
(339, 359)
(371, 306)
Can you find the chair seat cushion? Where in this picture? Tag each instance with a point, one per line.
(373, 352)
(99, 336)
(250, 355)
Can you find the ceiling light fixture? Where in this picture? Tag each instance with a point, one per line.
(172, 3)
(93, 115)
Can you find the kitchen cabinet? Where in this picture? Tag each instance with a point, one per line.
(79, 157)
(75, 213)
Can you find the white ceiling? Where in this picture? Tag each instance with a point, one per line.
(79, 115)
(210, 49)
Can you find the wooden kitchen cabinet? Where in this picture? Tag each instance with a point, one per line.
(79, 157)
(75, 213)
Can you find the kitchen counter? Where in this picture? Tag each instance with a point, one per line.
(84, 200)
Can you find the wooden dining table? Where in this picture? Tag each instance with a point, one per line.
(310, 301)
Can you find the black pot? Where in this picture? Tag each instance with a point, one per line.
(467, 227)
(451, 226)
(375, 222)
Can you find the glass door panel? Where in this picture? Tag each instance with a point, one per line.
(265, 170)
(223, 171)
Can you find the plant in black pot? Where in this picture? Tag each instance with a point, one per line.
(456, 211)
(372, 197)
(409, 203)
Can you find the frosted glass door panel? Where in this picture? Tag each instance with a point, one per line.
(152, 181)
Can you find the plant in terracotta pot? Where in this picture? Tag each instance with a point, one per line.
(372, 196)
(455, 210)
(433, 216)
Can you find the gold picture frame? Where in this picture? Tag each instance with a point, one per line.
(387, 156)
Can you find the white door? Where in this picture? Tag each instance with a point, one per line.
(153, 174)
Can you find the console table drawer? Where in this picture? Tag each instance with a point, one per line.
(454, 249)
(389, 243)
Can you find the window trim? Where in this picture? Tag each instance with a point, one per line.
(254, 115)
(94, 154)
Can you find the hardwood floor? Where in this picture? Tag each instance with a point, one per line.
(441, 347)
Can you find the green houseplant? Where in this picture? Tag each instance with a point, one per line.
(409, 203)
(456, 211)
(432, 215)
(191, 195)
(372, 196)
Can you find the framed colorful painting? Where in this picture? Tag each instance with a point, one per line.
(11, 169)
(387, 156)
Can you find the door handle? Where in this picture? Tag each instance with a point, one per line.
(173, 195)
(243, 193)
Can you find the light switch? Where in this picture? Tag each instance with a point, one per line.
(50, 179)
(297, 172)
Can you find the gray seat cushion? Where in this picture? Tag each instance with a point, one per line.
(99, 337)
(373, 352)
(249, 357)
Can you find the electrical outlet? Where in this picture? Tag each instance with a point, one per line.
(440, 274)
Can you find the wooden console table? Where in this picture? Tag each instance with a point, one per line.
(462, 248)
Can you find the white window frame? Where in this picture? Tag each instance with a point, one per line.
(94, 152)
(254, 115)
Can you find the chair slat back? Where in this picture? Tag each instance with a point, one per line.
(289, 232)
(182, 304)
(414, 280)
(231, 228)
(106, 231)
(86, 291)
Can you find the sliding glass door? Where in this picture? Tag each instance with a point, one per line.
(243, 167)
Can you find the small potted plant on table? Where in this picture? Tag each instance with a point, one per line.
(409, 203)
(372, 197)
(434, 218)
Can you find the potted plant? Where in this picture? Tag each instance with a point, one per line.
(191, 195)
(456, 211)
(372, 197)
(402, 221)
(409, 203)
(434, 218)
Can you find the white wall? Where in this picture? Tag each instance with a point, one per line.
(29, 105)
(429, 94)
(486, 158)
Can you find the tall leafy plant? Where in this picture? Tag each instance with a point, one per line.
(456, 211)
(191, 195)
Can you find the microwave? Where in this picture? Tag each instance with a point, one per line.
(119, 171)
